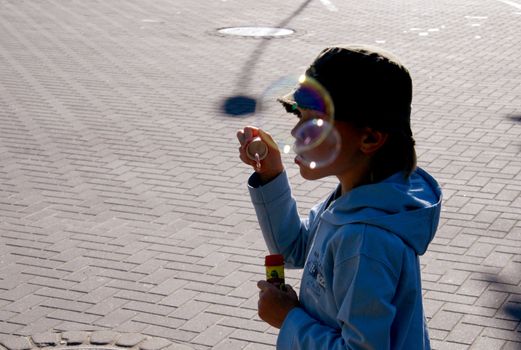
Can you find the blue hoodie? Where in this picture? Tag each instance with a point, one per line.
(361, 283)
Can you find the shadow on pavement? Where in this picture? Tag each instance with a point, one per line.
(515, 118)
(239, 105)
(511, 308)
(242, 104)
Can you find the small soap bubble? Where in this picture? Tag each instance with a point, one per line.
(317, 143)
(314, 141)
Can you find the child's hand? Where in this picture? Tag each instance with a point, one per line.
(271, 166)
(275, 304)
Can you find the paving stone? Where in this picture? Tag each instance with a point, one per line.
(512, 345)
(75, 337)
(130, 340)
(154, 344)
(176, 346)
(464, 333)
(46, 339)
(486, 343)
(213, 335)
(103, 337)
(445, 320)
(16, 343)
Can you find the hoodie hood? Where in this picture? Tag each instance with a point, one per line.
(407, 207)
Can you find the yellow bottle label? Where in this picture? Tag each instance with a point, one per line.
(275, 274)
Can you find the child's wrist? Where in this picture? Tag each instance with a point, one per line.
(264, 178)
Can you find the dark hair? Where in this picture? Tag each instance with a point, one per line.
(369, 87)
(396, 155)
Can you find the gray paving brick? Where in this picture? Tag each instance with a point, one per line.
(178, 298)
(39, 326)
(464, 333)
(75, 337)
(491, 322)
(483, 343)
(16, 343)
(158, 320)
(103, 337)
(256, 346)
(252, 325)
(8, 328)
(178, 335)
(201, 322)
(497, 259)
(251, 336)
(230, 344)
(154, 344)
(213, 335)
(473, 287)
(445, 320)
(162, 310)
(492, 299)
(113, 319)
(498, 333)
(46, 339)
(511, 345)
(29, 316)
(106, 306)
(129, 339)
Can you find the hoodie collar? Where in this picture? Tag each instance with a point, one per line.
(408, 207)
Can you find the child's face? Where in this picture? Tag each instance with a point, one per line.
(346, 146)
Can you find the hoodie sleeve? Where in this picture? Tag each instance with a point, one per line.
(365, 313)
(283, 230)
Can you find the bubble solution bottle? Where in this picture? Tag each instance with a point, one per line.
(275, 270)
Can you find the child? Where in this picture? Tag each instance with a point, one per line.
(361, 283)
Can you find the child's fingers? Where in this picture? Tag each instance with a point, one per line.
(240, 136)
(290, 290)
(265, 285)
(247, 134)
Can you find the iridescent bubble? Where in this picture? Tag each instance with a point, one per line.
(314, 142)
(317, 143)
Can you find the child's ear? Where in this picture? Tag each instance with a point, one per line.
(372, 140)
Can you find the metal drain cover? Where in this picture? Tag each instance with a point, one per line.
(256, 31)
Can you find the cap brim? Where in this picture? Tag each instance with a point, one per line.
(288, 101)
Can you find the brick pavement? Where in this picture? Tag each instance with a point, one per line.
(122, 203)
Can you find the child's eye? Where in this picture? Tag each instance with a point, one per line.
(292, 108)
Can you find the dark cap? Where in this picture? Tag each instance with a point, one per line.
(367, 86)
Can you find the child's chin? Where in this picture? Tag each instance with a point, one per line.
(309, 174)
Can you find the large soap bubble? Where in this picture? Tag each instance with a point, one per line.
(314, 140)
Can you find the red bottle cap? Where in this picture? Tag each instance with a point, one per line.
(274, 260)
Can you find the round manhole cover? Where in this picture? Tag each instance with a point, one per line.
(256, 31)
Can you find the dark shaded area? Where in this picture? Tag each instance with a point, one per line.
(515, 118)
(511, 307)
(514, 310)
(241, 104)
